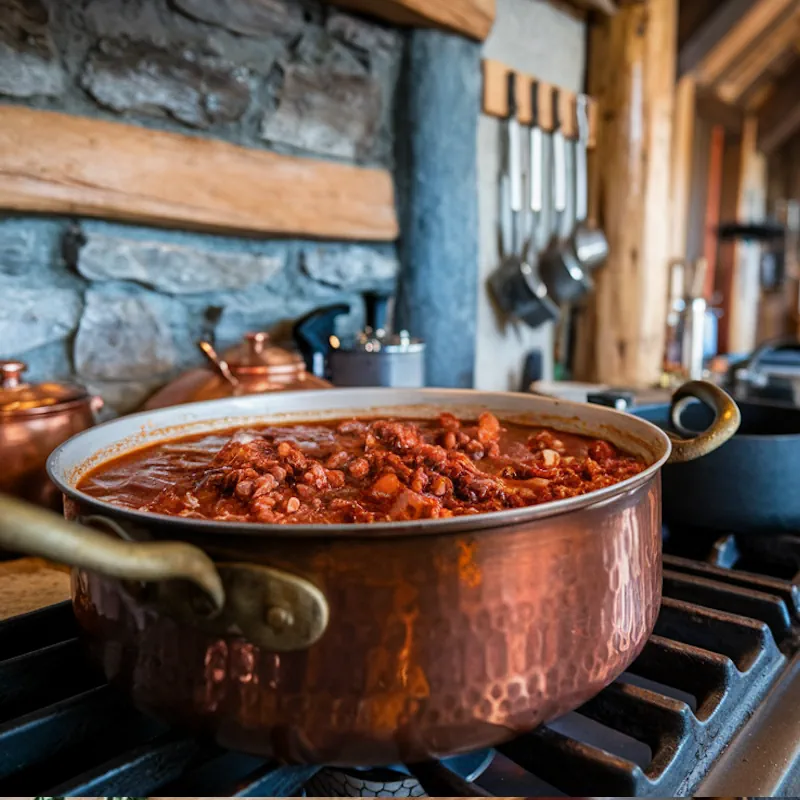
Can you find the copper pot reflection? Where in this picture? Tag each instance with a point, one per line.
(254, 366)
(34, 420)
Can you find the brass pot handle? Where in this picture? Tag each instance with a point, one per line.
(27, 529)
(727, 419)
(271, 608)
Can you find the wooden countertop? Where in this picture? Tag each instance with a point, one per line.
(30, 583)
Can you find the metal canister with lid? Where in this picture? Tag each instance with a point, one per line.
(374, 357)
(377, 358)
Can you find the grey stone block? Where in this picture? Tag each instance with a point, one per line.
(27, 246)
(122, 397)
(265, 308)
(31, 318)
(325, 112)
(50, 362)
(263, 18)
(172, 268)
(126, 337)
(138, 76)
(352, 268)
(29, 63)
(360, 33)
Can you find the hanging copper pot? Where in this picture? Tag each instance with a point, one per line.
(34, 420)
(254, 366)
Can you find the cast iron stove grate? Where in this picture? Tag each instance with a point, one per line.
(709, 708)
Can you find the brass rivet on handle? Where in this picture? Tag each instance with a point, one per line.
(279, 618)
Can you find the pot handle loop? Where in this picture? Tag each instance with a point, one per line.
(727, 419)
(27, 529)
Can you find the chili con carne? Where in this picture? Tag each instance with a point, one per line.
(354, 470)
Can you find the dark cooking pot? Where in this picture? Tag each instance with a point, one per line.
(749, 485)
(365, 644)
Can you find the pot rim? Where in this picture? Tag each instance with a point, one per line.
(563, 409)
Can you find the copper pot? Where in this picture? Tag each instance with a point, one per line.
(366, 644)
(254, 366)
(34, 420)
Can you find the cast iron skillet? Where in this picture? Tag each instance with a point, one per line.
(750, 485)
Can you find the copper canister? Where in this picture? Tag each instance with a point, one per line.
(34, 420)
(254, 366)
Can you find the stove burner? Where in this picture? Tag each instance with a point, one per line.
(396, 781)
(709, 708)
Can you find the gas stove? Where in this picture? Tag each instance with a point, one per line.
(709, 708)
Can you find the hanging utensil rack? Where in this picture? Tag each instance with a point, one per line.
(495, 100)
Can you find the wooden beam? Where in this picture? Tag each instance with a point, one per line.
(726, 263)
(681, 168)
(713, 110)
(755, 99)
(632, 76)
(742, 320)
(608, 7)
(470, 18)
(779, 117)
(713, 200)
(64, 164)
(746, 71)
(708, 36)
(749, 25)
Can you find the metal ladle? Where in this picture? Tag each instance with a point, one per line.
(589, 244)
(516, 285)
(563, 274)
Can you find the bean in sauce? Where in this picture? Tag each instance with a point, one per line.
(362, 471)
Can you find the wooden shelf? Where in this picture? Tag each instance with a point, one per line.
(607, 7)
(495, 100)
(63, 164)
(470, 18)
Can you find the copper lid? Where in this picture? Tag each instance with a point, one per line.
(17, 397)
(257, 354)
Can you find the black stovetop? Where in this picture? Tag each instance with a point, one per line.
(709, 708)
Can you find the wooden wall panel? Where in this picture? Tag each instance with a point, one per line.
(64, 164)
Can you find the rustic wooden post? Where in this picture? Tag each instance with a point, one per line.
(632, 74)
(750, 206)
(682, 152)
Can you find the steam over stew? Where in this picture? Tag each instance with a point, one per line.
(359, 471)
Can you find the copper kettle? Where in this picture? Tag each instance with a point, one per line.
(34, 420)
(253, 366)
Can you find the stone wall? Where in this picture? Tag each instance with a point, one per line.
(120, 307)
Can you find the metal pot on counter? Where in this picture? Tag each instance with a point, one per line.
(747, 485)
(34, 420)
(354, 644)
(254, 366)
(374, 357)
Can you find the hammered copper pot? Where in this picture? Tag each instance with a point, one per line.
(365, 644)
